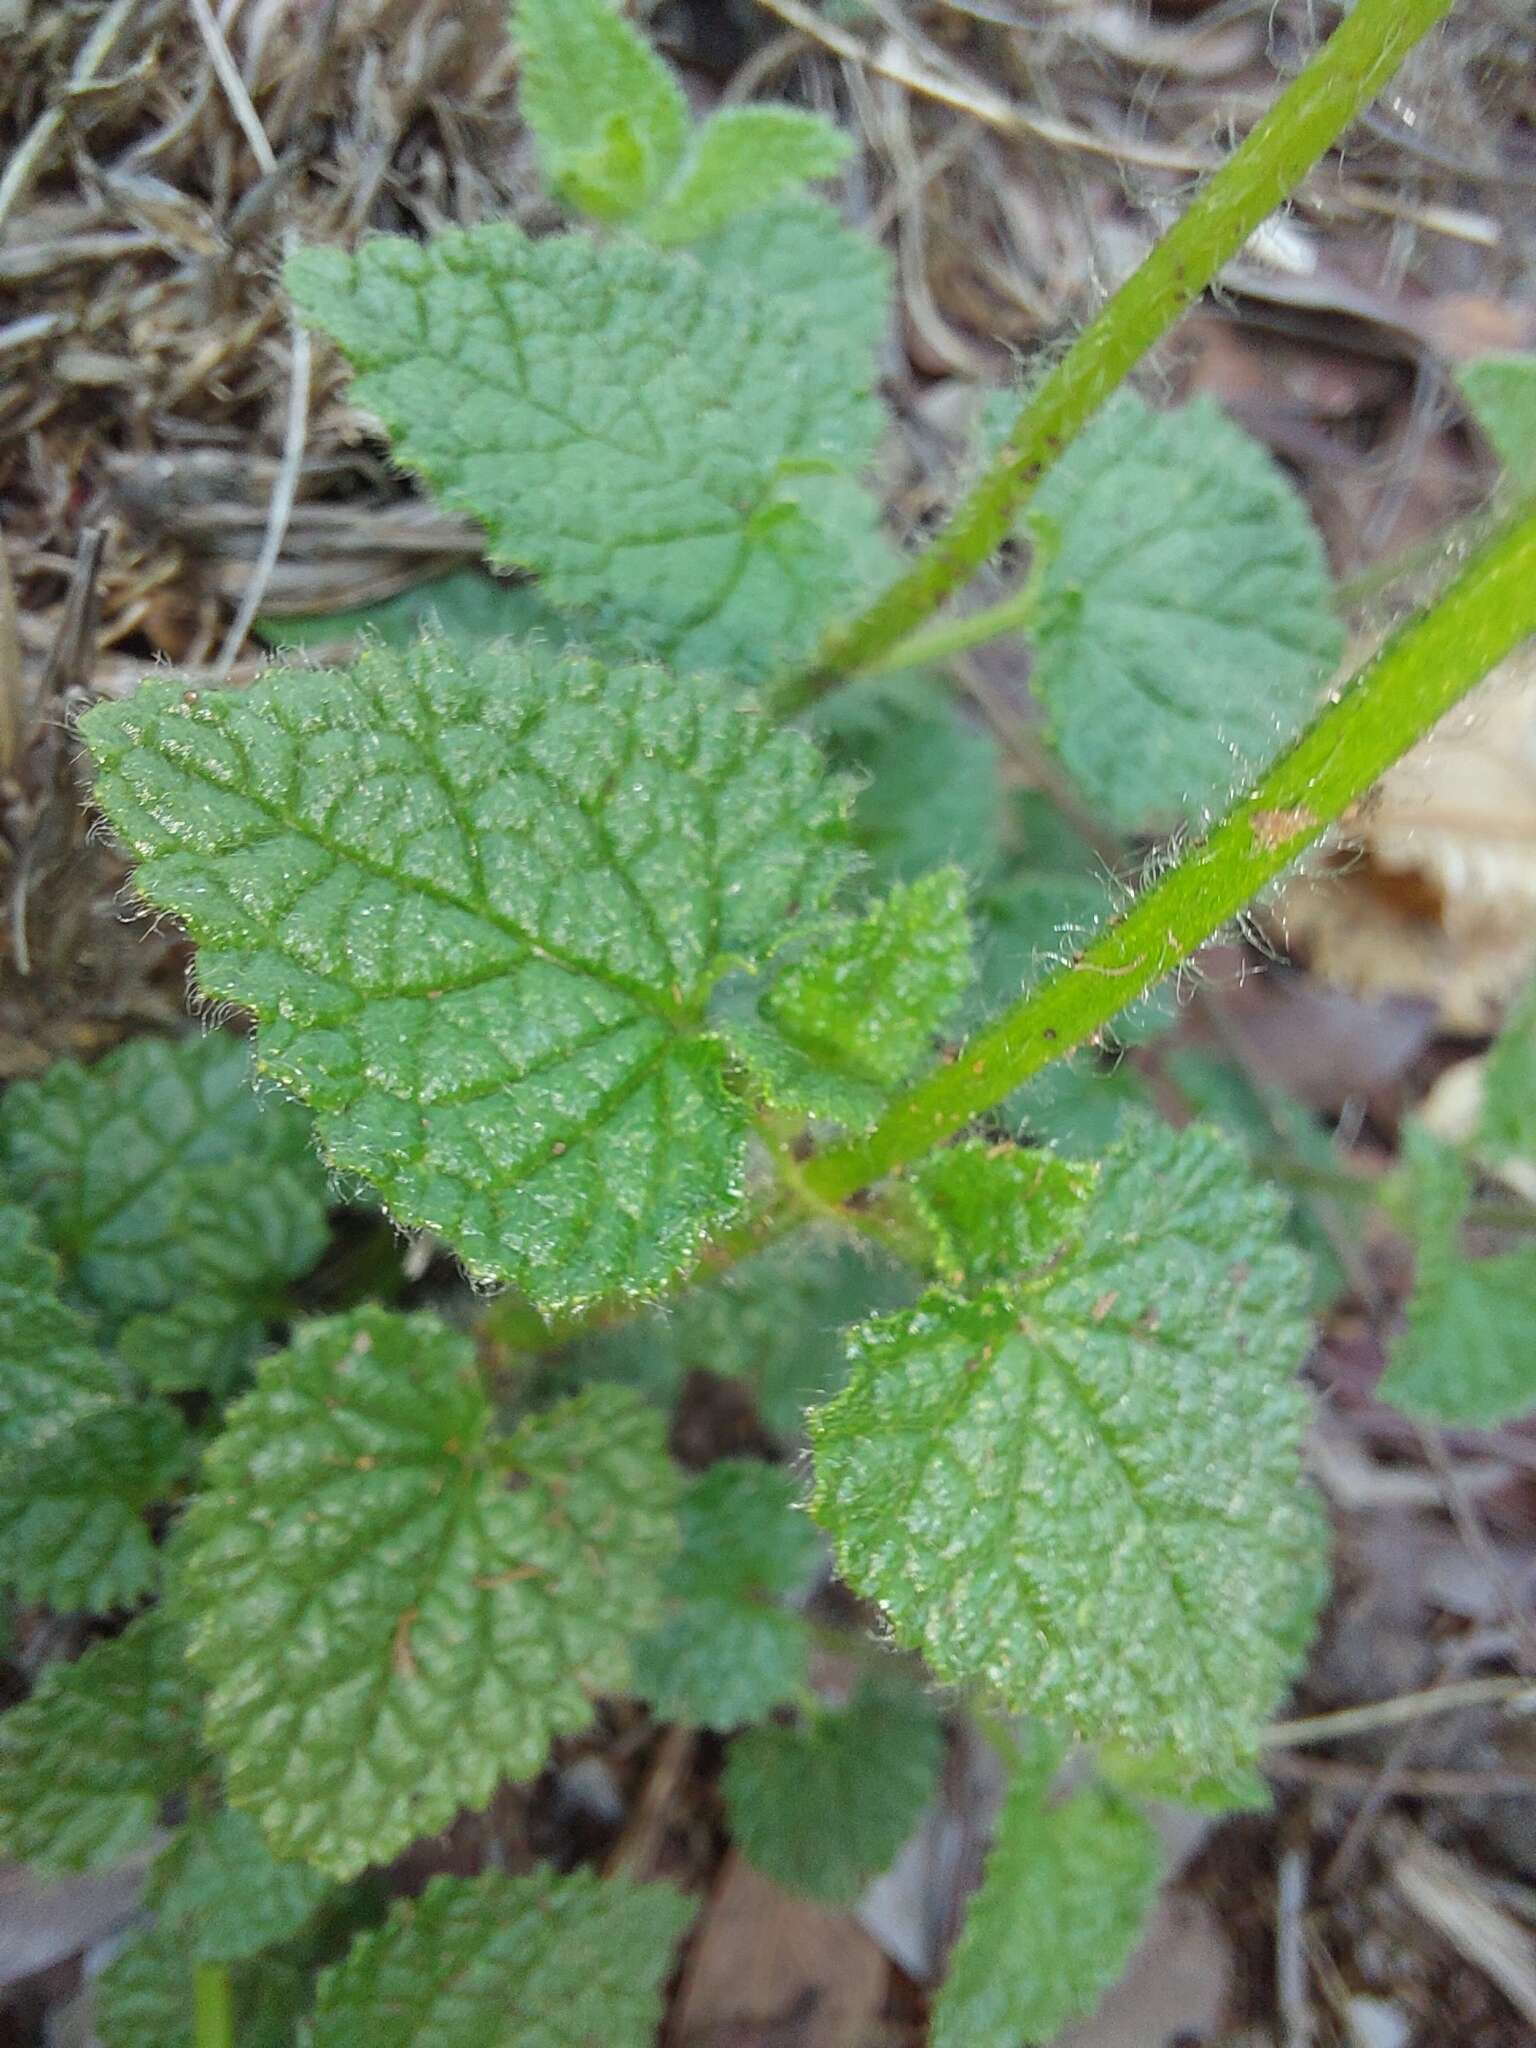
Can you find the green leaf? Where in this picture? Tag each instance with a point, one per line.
(478, 903)
(831, 282)
(1501, 391)
(223, 1894)
(775, 1322)
(868, 1000)
(609, 119)
(825, 1806)
(1507, 1127)
(995, 1210)
(644, 436)
(53, 1374)
(743, 159)
(392, 1609)
(507, 1962)
(465, 605)
(164, 1179)
(144, 1997)
(931, 781)
(1044, 902)
(1267, 1124)
(1465, 1355)
(857, 1012)
(1185, 626)
(725, 1652)
(1084, 1489)
(1079, 1105)
(1066, 1893)
(72, 1533)
(87, 1760)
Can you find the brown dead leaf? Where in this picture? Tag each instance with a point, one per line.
(772, 1971)
(1431, 891)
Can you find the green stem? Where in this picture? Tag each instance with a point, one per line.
(213, 2009)
(1012, 614)
(1309, 116)
(1431, 662)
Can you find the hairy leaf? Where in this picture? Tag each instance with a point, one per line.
(1465, 1355)
(1185, 627)
(855, 1013)
(163, 1178)
(1080, 1105)
(1067, 1889)
(996, 1210)
(930, 779)
(53, 1374)
(506, 1962)
(775, 1322)
(478, 903)
(831, 282)
(1262, 1119)
(144, 1997)
(868, 1000)
(86, 1761)
(1044, 901)
(644, 435)
(726, 1652)
(609, 119)
(742, 159)
(824, 1807)
(72, 1533)
(1083, 1488)
(392, 1609)
(219, 1888)
(1501, 391)
(466, 604)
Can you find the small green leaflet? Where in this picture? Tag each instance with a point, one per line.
(1082, 1488)
(218, 1886)
(86, 1761)
(610, 120)
(169, 1186)
(726, 1651)
(613, 132)
(868, 1000)
(995, 1210)
(824, 1807)
(1501, 391)
(72, 1533)
(856, 1013)
(53, 1374)
(774, 1322)
(743, 159)
(369, 1574)
(650, 439)
(1067, 1889)
(1465, 1356)
(144, 1997)
(504, 1962)
(478, 902)
(1179, 560)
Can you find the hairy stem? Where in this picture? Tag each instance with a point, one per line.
(1299, 128)
(213, 2011)
(1431, 662)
